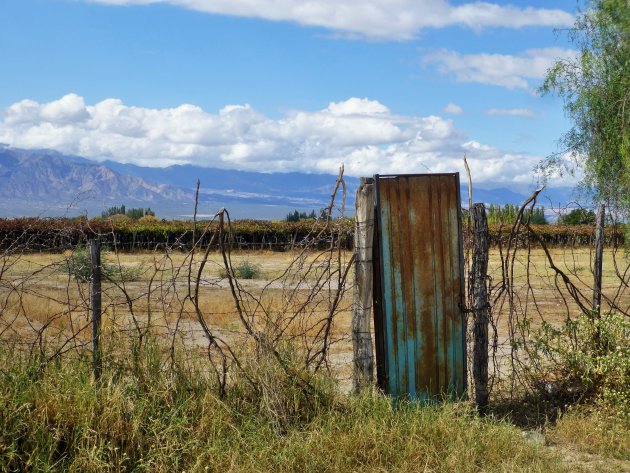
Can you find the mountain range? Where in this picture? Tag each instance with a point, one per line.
(48, 183)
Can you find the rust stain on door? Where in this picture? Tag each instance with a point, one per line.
(418, 286)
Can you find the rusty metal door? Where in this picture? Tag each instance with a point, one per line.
(418, 286)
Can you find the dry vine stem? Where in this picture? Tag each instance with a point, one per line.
(187, 300)
(533, 287)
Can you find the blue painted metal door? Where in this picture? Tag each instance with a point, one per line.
(419, 286)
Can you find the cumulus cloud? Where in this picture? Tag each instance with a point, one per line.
(505, 70)
(381, 19)
(453, 109)
(361, 133)
(511, 112)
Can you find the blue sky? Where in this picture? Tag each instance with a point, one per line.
(287, 85)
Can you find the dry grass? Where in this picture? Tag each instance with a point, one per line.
(533, 271)
(594, 432)
(143, 419)
(575, 262)
(47, 297)
(41, 295)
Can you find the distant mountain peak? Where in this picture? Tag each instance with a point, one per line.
(45, 182)
(41, 180)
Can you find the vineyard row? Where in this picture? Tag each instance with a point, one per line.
(59, 234)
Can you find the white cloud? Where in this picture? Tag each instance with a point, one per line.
(511, 112)
(69, 109)
(381, 19)
(453, 109)
(355, 106)
(363, 134)
(505, 70)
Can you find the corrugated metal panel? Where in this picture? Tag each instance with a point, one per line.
(418, 290)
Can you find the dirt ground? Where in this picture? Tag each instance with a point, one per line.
(37, 293)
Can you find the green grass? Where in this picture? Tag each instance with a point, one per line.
(147, 418)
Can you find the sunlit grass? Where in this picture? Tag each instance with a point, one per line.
(144, 419)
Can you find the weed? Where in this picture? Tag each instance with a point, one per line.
(593, 431)
(244, 270)
(78, 265)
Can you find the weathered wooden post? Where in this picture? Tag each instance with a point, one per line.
(95, 264)
(599, 258)
(481, 306)
(363, 373)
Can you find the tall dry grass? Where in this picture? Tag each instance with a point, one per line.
(141, 417)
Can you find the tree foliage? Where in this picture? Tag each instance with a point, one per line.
(577, 217)
(595, 87)
(296, 216)
(507, 214)
(134, 213)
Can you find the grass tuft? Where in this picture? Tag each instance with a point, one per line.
(594, 431)
(143, 417)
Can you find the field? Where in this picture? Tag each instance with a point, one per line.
(48, 298)
(175, 301)
(48, 291)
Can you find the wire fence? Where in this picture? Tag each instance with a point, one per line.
(192, 295)
(538, 297)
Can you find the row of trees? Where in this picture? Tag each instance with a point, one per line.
(133, 213)
(509, 212)
(498, 214)
(296, 216)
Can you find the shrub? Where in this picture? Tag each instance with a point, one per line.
(247, 270)
(78, 266)
(244, 270)
(119, 218)
(148, 219)
(584, 359)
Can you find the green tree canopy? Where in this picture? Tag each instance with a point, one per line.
(595, 87)
(296, 216)
(134, 213)
(577, 217)
(507, 214)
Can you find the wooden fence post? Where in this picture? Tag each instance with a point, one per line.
(95, 266)
(363, 373)
(599, 258)
(481, 306)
